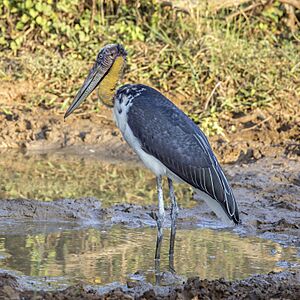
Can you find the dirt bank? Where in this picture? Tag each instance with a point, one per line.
(284, 285)
(245, 137)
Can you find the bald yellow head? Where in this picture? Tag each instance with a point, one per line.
(108, 85)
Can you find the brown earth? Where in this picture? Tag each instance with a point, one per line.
(263, 132)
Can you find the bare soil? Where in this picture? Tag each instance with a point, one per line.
(247, 136)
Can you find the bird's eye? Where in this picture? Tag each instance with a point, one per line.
(100, 56)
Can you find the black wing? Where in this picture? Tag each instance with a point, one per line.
(168, 134)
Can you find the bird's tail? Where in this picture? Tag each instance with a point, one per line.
(221, 209)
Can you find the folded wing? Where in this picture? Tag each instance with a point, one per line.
(166, 133)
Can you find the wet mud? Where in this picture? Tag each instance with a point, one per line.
(268, 192)
(283, 285)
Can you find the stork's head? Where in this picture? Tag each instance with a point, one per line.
(105, 73)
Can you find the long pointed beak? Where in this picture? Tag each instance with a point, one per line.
(91, 82)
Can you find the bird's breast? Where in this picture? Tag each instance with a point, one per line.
(123, 103)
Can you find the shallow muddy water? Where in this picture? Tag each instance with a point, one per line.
(54, 245)
(48, 176)
(102, 256)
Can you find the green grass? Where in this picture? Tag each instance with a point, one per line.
(209, 65)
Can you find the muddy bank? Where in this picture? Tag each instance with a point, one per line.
(41, 131)
(246, 138)
(283, 285)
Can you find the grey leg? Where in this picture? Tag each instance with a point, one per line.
(174, 213)
(160, 218)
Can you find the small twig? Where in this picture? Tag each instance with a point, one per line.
(103, 117)
(243, 212)
(211, 95)
(242, 11)
(93, 14)
(258, 124)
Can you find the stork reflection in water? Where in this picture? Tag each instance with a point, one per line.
(167, 141)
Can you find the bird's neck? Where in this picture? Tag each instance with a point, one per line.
(107, 87)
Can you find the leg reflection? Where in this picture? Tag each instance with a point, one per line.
(157, 272)
(171, 251)
(163, 277)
